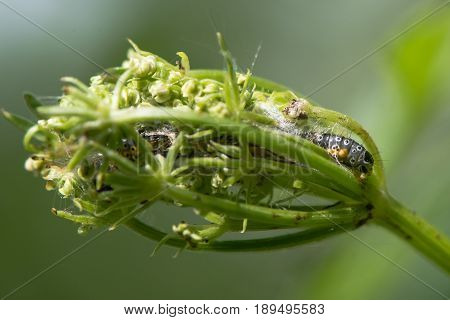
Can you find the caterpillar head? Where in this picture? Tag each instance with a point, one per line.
(365, 163)
(359, 159)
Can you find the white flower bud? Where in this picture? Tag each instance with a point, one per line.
(186, 233)
(33, 164)
(196, 237)
(130, 96)
(174, 76)
(189, 89)
(67, 188)
(219, 109)
(211, 88)
(145, 66)
(159, 91)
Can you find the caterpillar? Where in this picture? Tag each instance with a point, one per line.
(343, 150)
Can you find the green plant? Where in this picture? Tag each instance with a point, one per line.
(151, 131)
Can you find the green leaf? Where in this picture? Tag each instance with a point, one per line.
(231, 89)
(18, 121)
(32, 103)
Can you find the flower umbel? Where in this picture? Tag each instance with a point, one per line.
(245, 153)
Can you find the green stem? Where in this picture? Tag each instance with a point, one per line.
(264, 244)
(276, 217)
(389, 213)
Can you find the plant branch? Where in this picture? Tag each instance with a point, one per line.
(279, 217)
(263, 244)
(389, 213)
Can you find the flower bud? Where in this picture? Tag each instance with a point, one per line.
(50, 185)
(145, 66)
(219, 109)
(96, 80)
(211, 88)
(174, 76)
(217, 181)
(186, 233)
(177, 103)
(138, 84)
(55, 123)
(196, 237)
(130, 97)
(68, 182)
(189, 89)
(180, 228)
(52, 173)
(159, 91)
(34, 164)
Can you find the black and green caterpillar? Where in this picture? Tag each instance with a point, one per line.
(343, 150)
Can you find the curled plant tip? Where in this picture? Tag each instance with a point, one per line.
(184, 62)
(247, 154)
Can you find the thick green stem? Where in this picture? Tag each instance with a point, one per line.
(389, 213)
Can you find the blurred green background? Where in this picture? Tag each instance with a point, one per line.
(400, 95)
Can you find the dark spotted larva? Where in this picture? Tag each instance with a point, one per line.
(160, 137)
(345, 150)
(128, 149)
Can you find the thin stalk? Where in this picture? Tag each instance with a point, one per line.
(263, 244)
